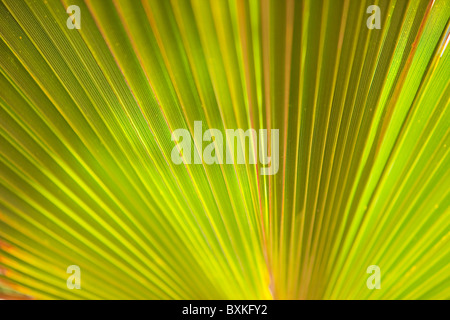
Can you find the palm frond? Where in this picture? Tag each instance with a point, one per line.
(86, 117)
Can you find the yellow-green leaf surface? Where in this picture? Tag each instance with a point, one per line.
(87, 178)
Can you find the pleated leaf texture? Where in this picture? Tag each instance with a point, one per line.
(87, 179)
